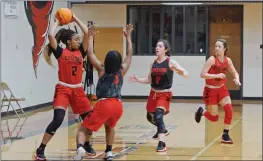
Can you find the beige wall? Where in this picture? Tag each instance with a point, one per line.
(115, 15)
(252, 57)
(16, 60)
(103, 15)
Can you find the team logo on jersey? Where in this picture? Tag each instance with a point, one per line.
(159, 70)
(38, 15)
(220, 69)
(74, 59)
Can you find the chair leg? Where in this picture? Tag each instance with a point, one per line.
(15, 111)
(2, 103)
(21, 109)
(9, 103)
(12, 131)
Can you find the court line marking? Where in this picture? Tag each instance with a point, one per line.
(138, 142)
(212, 142)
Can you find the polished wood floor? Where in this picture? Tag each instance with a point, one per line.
(187, 140)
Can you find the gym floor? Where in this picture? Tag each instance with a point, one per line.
(187, 140)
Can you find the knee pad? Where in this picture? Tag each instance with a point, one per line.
(228, 113)
(58, 118)
(214, 118)
(159, 120)
(150, 118)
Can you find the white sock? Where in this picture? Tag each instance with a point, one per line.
(161, 137)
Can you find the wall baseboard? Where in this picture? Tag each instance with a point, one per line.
(191, 98)
(27, 109)
(253, 98)
(174, 97)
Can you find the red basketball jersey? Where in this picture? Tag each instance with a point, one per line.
(70, 66)
(218, 67)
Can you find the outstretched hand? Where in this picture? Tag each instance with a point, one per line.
(132, 78)
(128, 30)
(92, 31)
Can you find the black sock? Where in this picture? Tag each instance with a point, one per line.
(42, 146)
(79, 145)
(108, 148)
(41, 149)
(225, 131)
(163, 143)
(86, 143)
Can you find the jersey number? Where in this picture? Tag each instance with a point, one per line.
(74, 70)
(157, 80)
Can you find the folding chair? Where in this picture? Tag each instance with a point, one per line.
(10, 133)
(8, 99)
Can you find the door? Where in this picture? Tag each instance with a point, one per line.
(226, 23)
(108, 39)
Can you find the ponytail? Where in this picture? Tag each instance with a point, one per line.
(61, 36)
(47, 54)
(168, 53)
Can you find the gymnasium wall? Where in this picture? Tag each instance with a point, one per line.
(192, 86)
(16, 58)
(140, 66)
(17, 65)
(252, 57)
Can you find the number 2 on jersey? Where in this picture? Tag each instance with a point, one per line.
(74, 70)
(157, 80)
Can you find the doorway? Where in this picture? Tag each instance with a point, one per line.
(225, 22)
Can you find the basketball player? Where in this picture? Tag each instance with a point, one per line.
(108, 109)
(215, 90)
(161, 79)
(69, 90)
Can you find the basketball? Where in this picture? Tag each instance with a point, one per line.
(64, 16)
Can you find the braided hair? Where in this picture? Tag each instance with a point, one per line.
(112, 62)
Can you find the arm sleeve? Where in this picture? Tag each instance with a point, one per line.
(57, 53)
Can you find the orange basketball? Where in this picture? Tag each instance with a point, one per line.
(64, 16)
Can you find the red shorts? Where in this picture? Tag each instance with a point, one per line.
(212, 96)
(159, 99)
(104, 111)
(76, 97)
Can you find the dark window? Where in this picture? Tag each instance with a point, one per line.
(201, 28)
(134, 15)
(155, 15)
(167, 23)
(139, 17)
(185, 27)
(190, 29)
(178, 27)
